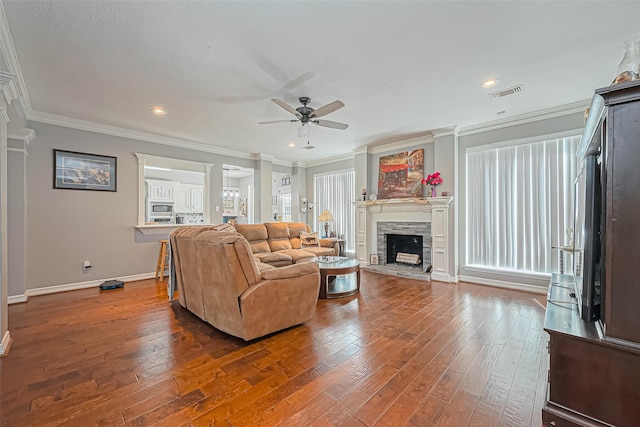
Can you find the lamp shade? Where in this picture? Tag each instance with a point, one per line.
(325, 216)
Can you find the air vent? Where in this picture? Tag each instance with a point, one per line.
(506, 92)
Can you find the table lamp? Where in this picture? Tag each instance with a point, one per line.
(325, 217)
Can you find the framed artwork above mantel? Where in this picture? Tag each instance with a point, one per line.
(400, 175)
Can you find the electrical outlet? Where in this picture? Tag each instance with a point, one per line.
(86, 265)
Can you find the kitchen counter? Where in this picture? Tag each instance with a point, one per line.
(163, 228)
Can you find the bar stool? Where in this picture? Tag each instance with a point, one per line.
(163, 258)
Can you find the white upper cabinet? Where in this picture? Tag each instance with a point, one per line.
(189, 198)
(160, 191)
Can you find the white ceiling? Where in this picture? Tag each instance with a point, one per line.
(401, 68)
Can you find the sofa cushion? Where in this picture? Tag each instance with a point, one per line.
(264, 267)
(295, 228)
(256, 235)
(278, 235)
(298, 255)
(309, 240)
(273, 258)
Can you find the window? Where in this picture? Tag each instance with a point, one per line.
(335, 191)
(520, 204)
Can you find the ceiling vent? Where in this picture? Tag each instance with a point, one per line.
(506, 92)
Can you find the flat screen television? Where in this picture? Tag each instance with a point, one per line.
(588, 262)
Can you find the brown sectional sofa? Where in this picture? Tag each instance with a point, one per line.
(278, 243)
(219, 281)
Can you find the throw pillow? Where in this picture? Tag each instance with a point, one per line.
(228, 228)
(309, 240)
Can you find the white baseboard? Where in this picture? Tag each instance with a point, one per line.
(4, 345)
(74, 286)
(440, 277)
(15, 299)
(506, 285)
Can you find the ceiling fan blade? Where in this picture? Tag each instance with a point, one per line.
(329, 108)
(286, 106)
(276, 121)
(331, 124)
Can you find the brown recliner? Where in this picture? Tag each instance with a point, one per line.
(219, 281)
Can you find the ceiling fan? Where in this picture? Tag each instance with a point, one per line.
(306, 115)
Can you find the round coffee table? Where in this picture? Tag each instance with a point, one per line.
(339, 276)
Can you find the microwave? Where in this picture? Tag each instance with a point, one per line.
(161, 208)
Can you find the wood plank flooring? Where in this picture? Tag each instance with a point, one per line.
(402, 352)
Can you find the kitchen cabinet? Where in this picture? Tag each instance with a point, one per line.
(160, 191)
(189, 198)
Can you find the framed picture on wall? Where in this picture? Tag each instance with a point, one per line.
(374, 259)
(84, 171)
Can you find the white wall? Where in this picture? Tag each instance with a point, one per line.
(66, 227)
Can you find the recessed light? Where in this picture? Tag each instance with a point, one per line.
(489, 83)
(292, 144)
(159, 111)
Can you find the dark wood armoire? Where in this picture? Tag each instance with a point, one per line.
(594, 366)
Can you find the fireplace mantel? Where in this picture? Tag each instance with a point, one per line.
(433, 209)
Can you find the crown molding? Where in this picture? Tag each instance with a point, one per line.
(9, 51)
(446, 131)
(534, 116)
(262, 156)
(68, 122)
(363, 149)
(399, 145)
(339, 158)
(8, 86)
(299, 164)
(21, 134)
(282, 163)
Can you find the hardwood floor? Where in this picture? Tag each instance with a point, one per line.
(402, 352)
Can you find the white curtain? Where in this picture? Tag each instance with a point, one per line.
(520, 204)
(335, 192)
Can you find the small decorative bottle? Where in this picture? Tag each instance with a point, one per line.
(629, 68)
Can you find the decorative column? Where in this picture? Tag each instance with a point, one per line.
(18, 142)
(9, 92)
(442, 270)
(361, 232)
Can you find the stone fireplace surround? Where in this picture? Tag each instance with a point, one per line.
(432, 210)
(407, 229)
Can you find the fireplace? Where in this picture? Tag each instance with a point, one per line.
(404, 249)
(407, 238)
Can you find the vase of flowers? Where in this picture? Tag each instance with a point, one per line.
(432, 180)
